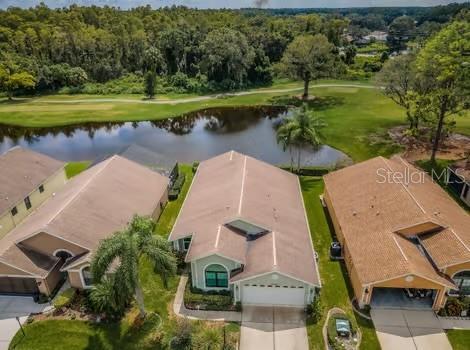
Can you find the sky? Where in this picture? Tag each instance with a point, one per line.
(232, 3)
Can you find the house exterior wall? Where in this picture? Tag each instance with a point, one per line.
(74, 279)
(160, 205)
(198, 267)
(48, 244)
(51, 185)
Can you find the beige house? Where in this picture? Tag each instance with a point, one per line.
(399, 231)
(27, 179)
(59, 237)
(243, 227)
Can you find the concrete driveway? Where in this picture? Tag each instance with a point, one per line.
(409, 330)
(271, 328)
(11, 307)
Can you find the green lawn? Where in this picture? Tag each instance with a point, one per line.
(336, 290)
(74, 168)
(459, 339)
(64, 334)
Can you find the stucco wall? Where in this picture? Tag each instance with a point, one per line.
(198, 267)
(47, 244)
(417, 282)
(11, 271)
(74, 279)
(51, 185)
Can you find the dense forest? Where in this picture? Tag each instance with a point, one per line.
(108, 50)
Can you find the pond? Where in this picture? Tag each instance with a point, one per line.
(194, 136)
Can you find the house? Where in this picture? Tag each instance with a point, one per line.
(163, 165)
(400, 232)
(27, 179)
(458, 179)
(376, 35)
(243, 227)
(58, 239)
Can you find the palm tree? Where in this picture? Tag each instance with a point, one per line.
(125, 249)
(300, 130)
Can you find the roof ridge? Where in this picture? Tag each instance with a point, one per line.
(274, 249)
(459, 238)
(400, 248)
(79, 192)
(405, 187)
(240, 203)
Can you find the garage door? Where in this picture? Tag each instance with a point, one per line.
(14, 285)
(271, 295)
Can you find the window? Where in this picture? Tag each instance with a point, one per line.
(14, 211)
(462, 280)
(41, 189)
(186, 243)
(216, 276)
(27, 202)
(87, 276)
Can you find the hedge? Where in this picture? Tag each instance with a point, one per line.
(176, 187)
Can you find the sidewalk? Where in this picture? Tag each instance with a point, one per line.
(180, 310)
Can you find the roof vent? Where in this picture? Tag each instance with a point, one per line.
(377, 213)
(354, 213)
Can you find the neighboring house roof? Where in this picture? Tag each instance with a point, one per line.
(370, 209)
(156, 161)
(462, 169)
(233, 187)
(90, 207)
(23, 171)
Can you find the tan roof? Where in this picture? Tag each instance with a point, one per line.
(90, 207)
(21, 172)
(370, 210)
(234, 186)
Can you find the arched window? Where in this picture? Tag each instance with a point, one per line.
(87, 277)
(216, 276)
(462, 281)
(63, 254)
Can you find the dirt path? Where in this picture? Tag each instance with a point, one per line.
(190, 99)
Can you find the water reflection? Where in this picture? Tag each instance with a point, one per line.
(194, 136)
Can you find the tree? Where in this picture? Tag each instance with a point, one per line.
(400, 31)
(150, 83)
(397, 81)
(10, 81)
(127, 247)
(443, 65)
(303, 129)
(308, 57)
(226, 57)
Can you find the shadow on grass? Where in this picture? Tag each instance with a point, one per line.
(318, 103)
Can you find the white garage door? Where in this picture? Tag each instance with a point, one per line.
(263, 295)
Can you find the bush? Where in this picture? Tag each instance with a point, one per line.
(64, 299)
(314, 310)
(176, 187)
(455, 305)
(184, 330)
(211, 300)
(195, 165)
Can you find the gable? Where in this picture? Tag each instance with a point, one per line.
(48, 244)
(421, 228)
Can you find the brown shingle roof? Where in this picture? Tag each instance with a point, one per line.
(91, 206)
(21, 172)
(234, 186)
(369, 210)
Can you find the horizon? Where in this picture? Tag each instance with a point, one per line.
(235, 4)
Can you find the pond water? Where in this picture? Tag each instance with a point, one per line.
(194, 136)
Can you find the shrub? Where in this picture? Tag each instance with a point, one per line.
(176, 187)
(238, 306)
(210, 300)
(314, 310)
(64, 299)
(195, 165)
(182, 340)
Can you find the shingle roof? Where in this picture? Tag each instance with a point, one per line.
(234, 186)
(369, 211)
(21, 172)
(90, 207)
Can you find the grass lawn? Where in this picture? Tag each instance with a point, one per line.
(65, 334)
(336, 290)
(74, 168)
(459, 339)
